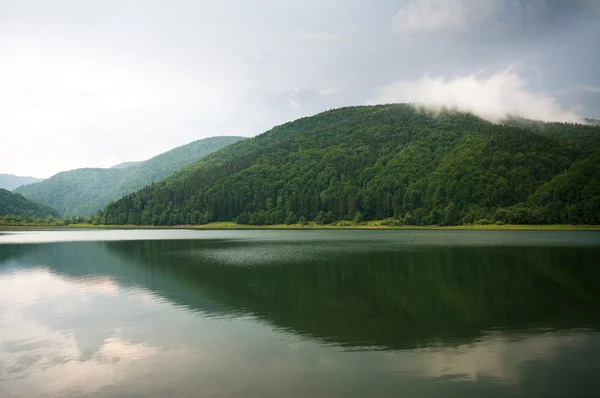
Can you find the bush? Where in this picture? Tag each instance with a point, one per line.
(391, 222)
(330, 217)
(291, 218)
(320, 219)
(358, 217)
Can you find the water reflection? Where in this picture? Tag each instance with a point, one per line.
(305, 318)
(357, 295)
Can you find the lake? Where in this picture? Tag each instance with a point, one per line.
(299, 313)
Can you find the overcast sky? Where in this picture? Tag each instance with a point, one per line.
(95, 83)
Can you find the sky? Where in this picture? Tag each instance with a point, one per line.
(96, 83)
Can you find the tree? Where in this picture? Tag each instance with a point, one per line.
(320, 219)
(330, 217)
(291, 218)
(358, 217)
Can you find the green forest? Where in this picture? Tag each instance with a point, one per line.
(83, 192)
(16, 206)
(387, 162)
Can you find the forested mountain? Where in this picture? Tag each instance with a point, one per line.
(379, 162)
(84, 192)
(11, 181)
(15, 204)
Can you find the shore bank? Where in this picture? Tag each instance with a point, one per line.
(368, 225)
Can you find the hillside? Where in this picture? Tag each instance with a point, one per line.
(379, 162)
(83, 192)
(11, 181)
(15, 204)
(574, 193)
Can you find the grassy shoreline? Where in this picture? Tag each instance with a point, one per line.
(372, 225)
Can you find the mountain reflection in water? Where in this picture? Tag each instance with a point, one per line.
(299, 316)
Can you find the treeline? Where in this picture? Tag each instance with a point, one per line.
(384, 162)
(13, 220)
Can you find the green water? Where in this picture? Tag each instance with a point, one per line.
(299, 313)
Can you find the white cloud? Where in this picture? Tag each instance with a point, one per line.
(492, 98)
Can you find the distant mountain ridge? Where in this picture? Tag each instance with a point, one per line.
(385, 162)
(11, 181)
(126, 165)
(15, 204)
(83, 192)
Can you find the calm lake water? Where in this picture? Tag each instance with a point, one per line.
(267, 313)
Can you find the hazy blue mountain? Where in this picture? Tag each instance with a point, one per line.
(83, 192)
(11, 181)
(126, 165)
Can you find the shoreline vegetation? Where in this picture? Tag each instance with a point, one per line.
(370, 225)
